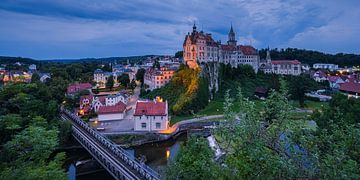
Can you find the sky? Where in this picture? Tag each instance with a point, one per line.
(62, 29)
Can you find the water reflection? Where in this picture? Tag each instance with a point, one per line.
(159, 155)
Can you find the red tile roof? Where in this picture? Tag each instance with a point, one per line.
(118, 108)
(150, 108)
(102, 99)
(228, 47)
(285, 62)
(73, 88)
(350, 87)
(247, 50)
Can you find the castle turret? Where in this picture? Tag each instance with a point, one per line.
(194, 27)
(231, 37)
(268, 58)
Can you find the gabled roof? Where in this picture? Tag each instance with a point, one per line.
(150, 108)
(89, 97)
(247, 50)
(118, 108)
(286, 62)
(350, 87)
(73, 88)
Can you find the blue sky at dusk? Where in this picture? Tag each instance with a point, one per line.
(53, 29)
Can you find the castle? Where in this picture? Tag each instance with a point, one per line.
(200, 48)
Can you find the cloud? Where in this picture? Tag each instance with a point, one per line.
(339, 35)
(87, 28)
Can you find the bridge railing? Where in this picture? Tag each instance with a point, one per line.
(142, 168)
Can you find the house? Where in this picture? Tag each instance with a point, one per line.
(89, 102)
(156, 78)
(351, 89)
(319, 76)
(109, 113)
(286, 67)
(44, 77)
(261, 92)
(101, 77)
(151, 116)
(331, 67)
(335, 81)
(74, 88)
(111, 100)
(86, 104)
(32, 67)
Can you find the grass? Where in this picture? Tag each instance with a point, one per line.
(215, 107)
(312, 105)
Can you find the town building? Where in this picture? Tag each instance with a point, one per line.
(319, 76)
(331, 67)
(101, 77)
(200, 47)
(17, 76)
(74, 88)
(109, 113)
(335, 81)
(156, 78)
(44, 77)
(32, 67)
(89, 102)
(284, 67)
(151, 116)
(351, 89)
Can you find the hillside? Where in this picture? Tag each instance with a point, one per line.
(312, 57)
(186, 92)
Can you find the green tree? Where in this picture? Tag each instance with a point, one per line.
(35, 78)
(124, 80)
(140, 75)
(156, 64)
(179, 54)
(190, 164)
(110, 82)
(30, 144)
(299, 85)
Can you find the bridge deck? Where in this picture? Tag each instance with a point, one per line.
(117, 161)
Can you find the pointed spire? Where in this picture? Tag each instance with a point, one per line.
(231, 28)
(194, 27)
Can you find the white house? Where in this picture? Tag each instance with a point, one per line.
(108, 113)
(331, 67)
(151, 116)
(286, 67)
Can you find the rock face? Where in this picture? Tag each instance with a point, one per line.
(211, 72)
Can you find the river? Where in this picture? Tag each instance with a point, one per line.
(156, 155)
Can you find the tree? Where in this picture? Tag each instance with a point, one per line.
(31, 145)
(35, 78)
(124, 80)
(179, 54)
(140, 75)
(110, 82)
(299, 85)
(190, 164)
(156, 64)
(132, 84)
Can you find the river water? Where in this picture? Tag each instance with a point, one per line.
(156, 155)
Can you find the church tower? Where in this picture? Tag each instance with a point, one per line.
(231, 37)
(268, 58)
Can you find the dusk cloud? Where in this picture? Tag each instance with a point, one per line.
(89, 28)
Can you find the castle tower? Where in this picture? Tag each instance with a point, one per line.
(268, 58)
(194, 27)
(231, 37)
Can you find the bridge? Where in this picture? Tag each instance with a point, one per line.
(119, 163)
